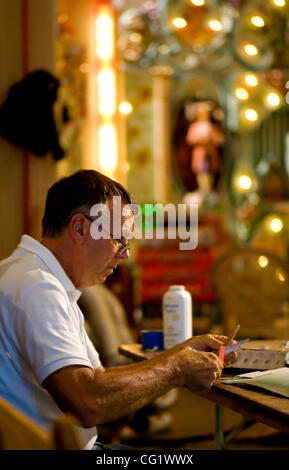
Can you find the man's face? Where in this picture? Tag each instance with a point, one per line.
(101, 256)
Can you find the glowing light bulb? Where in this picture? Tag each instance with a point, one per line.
(106, 92)
(263, 261)
(198, 3)
(273, 99)
(125, 107)
(215, 25)
(104, 36)
(258, 21)
(251, 49)
(279, 3)
(251, 114)
(241, 93)
(276, 225)
(251, 80)
(245, 182)
(179, 23)
(106, 133)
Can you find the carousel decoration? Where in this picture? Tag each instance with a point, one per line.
(242, 37)
(187, 34)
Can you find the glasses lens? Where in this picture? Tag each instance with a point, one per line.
(123, 249)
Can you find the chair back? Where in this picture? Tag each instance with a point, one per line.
(18, 432)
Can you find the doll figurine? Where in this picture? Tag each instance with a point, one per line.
(205, 138)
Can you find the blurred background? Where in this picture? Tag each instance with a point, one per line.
(182, 101)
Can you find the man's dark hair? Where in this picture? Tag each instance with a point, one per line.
(76, 193)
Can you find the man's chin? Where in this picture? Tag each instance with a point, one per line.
(101, 278)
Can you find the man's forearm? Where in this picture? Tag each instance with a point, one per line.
(119, 391)
(99, 396)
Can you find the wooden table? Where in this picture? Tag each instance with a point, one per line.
(252, 402)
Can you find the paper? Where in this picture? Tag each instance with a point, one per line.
(275, 380)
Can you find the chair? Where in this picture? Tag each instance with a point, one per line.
(253, 289)
(107, 323)
(18, 432)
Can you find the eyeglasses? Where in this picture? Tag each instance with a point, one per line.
(125, 245)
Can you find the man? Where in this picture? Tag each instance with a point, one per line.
(48, 364)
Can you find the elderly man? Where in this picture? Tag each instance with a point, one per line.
(48, 364)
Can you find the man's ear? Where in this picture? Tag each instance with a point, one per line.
(79, 228)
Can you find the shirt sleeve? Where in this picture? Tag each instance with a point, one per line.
(48, 331)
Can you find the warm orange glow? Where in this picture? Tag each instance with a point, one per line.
(125, 107)
(257, 21)
(198, 3)
(106, 89)
(215, 25)
(276, 225)
(251, 79)
(251, 114)
(107, 148)
(273, 99)
(245, 182)
(241, 93)
(279, 3)
(104, 33)
(251, 49)
(106, 92)
(179, 23)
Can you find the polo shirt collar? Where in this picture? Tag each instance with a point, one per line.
(33, 246)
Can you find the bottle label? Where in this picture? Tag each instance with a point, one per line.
(177, 320)
(171, 325)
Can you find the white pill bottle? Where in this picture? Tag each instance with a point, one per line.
(177, 316)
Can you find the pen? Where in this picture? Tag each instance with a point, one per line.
(233, 334)
(222, 350)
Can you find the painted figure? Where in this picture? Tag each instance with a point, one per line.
(205, 138)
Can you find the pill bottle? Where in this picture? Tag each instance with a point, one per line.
(177, 316)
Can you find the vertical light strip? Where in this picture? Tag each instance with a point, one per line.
(106, 88)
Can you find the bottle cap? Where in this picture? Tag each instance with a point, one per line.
(177, 287)
(152, 340)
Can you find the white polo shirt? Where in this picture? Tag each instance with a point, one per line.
(41, 331)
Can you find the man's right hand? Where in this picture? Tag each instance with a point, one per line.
(199, 369)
